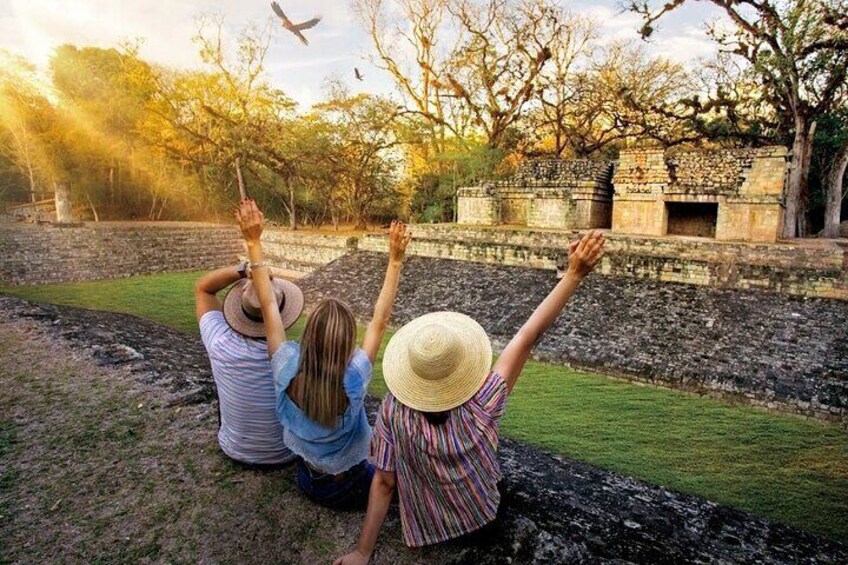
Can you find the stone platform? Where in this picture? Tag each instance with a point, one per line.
(785, 353)
(813, 268)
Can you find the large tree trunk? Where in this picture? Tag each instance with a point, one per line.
(833, 190)
(798, 174)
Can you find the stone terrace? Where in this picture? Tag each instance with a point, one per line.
(781, 352)
(808, 268)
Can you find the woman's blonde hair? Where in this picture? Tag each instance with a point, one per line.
(325, 349)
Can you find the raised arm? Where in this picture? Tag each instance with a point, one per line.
(379, 498)
(209, 285)
(582, 258)
(251, 221)
(399, 239)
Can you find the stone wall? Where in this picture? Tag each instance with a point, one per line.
(785, 353)
(806, 268)
(547, 193)
(303, 252)
(745, 184)
(36, 254)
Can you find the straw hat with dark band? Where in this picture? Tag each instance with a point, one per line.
(437, 362)
(244, 315)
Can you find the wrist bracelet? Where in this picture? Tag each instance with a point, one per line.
(258, 265)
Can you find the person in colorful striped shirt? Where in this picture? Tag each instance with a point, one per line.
(436, 437)
(321, 382)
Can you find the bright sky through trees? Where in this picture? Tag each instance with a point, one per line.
(33, 28)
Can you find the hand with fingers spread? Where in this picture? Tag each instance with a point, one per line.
(251, 220)
(399, 238)
(585, 254)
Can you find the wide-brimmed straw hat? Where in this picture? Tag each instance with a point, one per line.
(244, 314)
(437, 362)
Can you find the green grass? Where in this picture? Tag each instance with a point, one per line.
(789, 470)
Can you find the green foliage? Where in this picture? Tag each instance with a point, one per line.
(786, 469)
(831, 134)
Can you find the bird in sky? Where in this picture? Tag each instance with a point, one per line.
(359, 76)
(295, 28)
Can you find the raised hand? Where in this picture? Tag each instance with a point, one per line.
(250, 219)
(399, 239)
(585, 254)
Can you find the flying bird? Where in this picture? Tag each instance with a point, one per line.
(359, 76)
(295, 28)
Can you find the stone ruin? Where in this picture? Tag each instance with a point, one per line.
(726, 194)
(574, 194)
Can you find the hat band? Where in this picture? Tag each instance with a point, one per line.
(258, 319)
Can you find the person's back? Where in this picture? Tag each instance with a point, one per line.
(436, 439)
(321, 382)
(331, 449)
(249, 431)
(233, 334)
(447, 469)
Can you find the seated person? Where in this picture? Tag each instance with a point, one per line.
(321, 382)
(436, 437)
(249, 431)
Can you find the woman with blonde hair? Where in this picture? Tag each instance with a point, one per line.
(321, 383)
(436, 437)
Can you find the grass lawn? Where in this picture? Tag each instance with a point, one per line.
(783, 468)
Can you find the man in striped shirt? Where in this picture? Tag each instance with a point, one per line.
(249, 431)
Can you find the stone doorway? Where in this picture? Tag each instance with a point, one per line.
(696, 219)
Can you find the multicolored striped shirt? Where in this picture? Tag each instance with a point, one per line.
(250, 431)
(447, 474)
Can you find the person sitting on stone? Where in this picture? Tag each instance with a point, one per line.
(436, 437)
(234, 336)
(321, 382)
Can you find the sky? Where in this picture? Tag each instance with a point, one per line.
(33, 28)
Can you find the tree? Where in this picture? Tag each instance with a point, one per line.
(562, 82)
(827, 174)
(26, 119)
(504, 44)
(364, 135)
(103, 96)
(796, 52)
(424, 29)
(621, 94)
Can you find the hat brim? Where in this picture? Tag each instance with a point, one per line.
(238, 320)
(428, 395)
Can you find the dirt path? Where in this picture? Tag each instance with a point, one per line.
(96, 467)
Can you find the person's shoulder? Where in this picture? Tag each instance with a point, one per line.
(286, 352)
(212, 327)
(360, 364)
(493, 391)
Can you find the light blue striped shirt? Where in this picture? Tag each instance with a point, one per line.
(330, 450)
(250, 430)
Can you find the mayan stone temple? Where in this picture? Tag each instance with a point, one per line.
(574, 194)
(726, 194)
